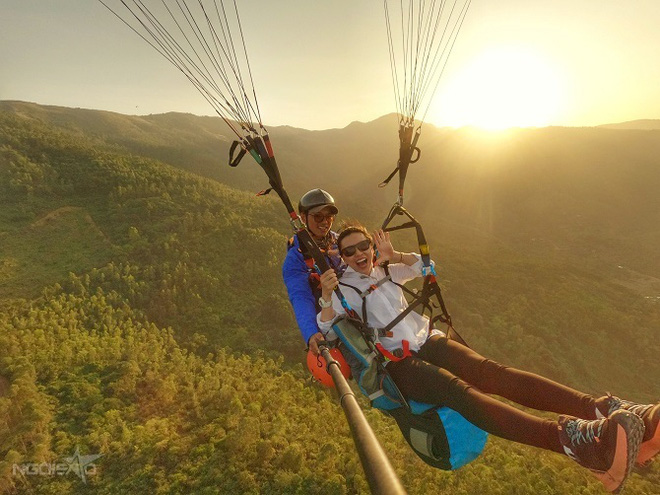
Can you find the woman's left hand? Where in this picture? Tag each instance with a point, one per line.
(384, 246)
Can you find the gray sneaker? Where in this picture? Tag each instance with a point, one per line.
(650, 414)
(607, 447)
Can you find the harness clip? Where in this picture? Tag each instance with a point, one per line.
(429, 270)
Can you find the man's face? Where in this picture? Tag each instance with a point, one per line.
(320, 223)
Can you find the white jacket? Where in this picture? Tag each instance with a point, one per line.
(383, 305)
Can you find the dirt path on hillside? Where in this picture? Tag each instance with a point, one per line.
(55, 215)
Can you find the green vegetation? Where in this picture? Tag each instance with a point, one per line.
(143, 318)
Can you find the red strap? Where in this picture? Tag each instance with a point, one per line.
(269, 148)
(392, 357)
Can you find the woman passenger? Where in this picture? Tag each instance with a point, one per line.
(606, 435)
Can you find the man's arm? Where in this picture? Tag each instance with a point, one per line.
(296, 279)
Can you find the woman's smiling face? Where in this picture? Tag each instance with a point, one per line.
(357, 251)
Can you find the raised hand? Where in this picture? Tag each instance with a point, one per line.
(384, 247)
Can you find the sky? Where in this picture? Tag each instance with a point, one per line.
(320, 64)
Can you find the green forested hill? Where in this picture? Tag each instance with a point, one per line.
(143, 318)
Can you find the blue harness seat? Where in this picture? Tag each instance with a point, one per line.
(440, 436)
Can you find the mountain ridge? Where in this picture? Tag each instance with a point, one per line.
(573, 178)
(635, 124)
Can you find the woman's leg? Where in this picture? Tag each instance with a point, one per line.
(522, 387)
(608, 447)
(424, 382)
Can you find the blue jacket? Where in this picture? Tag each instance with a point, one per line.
(303, 290)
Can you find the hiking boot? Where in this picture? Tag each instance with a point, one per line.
(608, 447)
(650, 414)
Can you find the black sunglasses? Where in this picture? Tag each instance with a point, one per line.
(320, 217)
(362, 246)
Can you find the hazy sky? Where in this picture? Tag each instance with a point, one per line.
(324, 63)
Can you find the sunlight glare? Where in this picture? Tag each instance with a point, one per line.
(503, 87)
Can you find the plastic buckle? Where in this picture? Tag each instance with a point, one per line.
(383, 333)
(297, 224)
(426, 270)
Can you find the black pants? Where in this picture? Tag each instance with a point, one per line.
(448, 373)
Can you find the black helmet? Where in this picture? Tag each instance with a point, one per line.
(316, 199)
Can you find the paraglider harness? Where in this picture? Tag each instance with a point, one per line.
(440, 436)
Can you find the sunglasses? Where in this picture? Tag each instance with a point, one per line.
(362, 246)
(320, 217)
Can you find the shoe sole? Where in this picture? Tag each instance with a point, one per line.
(650, 448)
(630, 431)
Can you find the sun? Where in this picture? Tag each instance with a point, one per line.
(502, 87)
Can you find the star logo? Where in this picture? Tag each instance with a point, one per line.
(82, 465)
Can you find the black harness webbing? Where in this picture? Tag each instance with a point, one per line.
(431, 295)
(407, 148)
(363, 295)
(423, 298)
